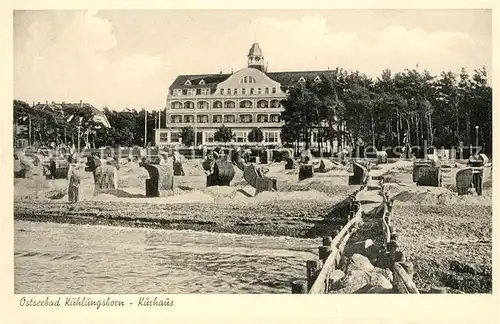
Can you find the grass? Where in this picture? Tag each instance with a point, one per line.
(448, 245)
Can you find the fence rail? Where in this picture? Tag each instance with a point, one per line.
(330, 253)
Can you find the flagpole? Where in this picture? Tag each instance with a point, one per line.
(159, 128)
(29, 130)
(145, 127)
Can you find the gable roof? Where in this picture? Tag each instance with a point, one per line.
(290, 78)
(286, 79)
(211, 81)
(63, 108)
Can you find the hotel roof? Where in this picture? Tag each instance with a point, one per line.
(286, 79)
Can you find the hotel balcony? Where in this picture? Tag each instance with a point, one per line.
(231, 125)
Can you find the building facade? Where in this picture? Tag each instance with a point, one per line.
(248, 98)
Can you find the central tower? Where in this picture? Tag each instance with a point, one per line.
(256, 58)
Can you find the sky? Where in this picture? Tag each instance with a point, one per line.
(129, 58)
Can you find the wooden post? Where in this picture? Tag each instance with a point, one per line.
(313, 267)
(324, 252)
(327, 240)
(392, 246)
(299, 287)
(399, 256)
(408, 266)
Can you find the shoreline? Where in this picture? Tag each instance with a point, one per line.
(299, 219)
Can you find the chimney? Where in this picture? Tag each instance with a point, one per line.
(231, 70)
(46, 102)
(220, 71)
(81, 104)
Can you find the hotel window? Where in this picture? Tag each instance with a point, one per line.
(262, 104)
(262, 118)
(229, 104)
(229, 118)
(245, 104)
(204, 91)
(164, 137)
(192, 92)
(275, 104)
(218, 104)
(202, 105)
(259, 90)
(275, 118)
(177, 92)
(174, 137)
(274, 90)
(176, 105)
(240, 137)
(184, 92)
(198, 92)
(245, 119)
(217, 118)
(243, 91)
(189, 105)
(228, 91)
(235, 91)
(221, 91)
(176, 119)
(189, 119)
(271, 137)
(267, 91)
(202, 119)
(251, 90)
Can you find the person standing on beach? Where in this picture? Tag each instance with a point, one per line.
(74, 187)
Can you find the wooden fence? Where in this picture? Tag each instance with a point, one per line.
(330, 253)
(402, 271)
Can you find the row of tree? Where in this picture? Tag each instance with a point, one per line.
(43, 125)
(410, 107)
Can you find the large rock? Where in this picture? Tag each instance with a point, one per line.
(335, 277)
(384, 272)
(353, 281)
(378, 279)
(358, 262)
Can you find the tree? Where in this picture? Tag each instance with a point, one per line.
(255, 135)
(302, 111)
(187, 135)
(223, 134)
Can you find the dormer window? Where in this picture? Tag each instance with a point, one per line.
(202, 82)
(302, 79)
(248, 79)
(187, 82)
(317, 79)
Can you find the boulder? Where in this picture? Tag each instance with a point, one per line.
(384, 272)
(353, 281)
(378, 279)
(336, 276)
(359, 262)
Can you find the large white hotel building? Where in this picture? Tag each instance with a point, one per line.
(241, 100)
